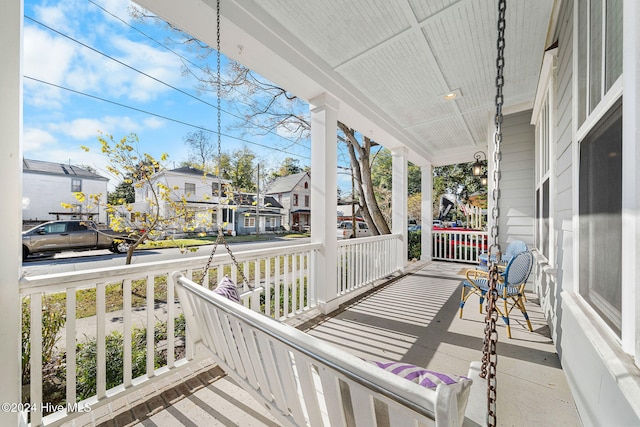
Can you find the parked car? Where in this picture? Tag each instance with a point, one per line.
(60, 236)
(414, 228)
(345, 229)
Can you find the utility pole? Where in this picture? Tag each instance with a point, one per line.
(258, 203)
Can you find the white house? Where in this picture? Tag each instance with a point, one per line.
(200, 192)
(46, 185)
(294, 194)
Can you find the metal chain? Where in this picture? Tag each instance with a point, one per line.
(489, 351)
(220, 237)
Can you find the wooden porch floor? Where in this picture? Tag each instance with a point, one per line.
(413, 319)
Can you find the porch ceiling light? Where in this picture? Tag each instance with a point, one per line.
(451, 95)
(477, 165)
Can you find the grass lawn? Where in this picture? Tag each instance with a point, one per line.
(209, 240)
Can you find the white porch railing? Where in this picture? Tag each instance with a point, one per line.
(364, 260)
(458, 245)
(284, 287)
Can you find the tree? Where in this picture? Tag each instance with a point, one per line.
(123, 193)
(289, 166)
(161, 208)
(202, 150)
(457, 180)
(240, 170)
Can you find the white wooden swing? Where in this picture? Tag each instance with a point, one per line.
(305, 381)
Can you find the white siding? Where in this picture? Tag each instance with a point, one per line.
(44, 193)
(517, 182)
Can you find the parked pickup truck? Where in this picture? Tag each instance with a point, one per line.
(59, 236)
(345, 229)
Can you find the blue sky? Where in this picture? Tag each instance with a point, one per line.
(80, 73)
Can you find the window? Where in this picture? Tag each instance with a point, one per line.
(272, 222)
(306, 200)
(189, 188)
(543, 181)
(306, 185)
(214, 188)
(598, 35)
(76, 185)
(249, 222)
(599, 58)
(295, 200)
(600, 217)
(544, 233)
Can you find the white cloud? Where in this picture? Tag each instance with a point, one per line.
(158, 65)
(86, 128)
(48, 59)
(37, 139)
(154, 123)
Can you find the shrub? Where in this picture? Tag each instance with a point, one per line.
(414, 244)
(53, 318)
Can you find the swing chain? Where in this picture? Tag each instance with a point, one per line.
(220, 237)
(489, 351)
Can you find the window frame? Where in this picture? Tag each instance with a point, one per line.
(586, 116)
(76, 185)
(187, 186)
(249, 222)
(544, 118)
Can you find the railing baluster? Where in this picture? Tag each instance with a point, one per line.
(101, 357)
(126, 333)
(287, 280)
(171, 323)
(276, 294)
(267, 286)
(150, 326)
(294, 283)
(36, 357)
(70, 326)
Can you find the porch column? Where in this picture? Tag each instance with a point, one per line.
(11, 12)
(399, 185)
(324, 196)
(426, 216)
(631, 181)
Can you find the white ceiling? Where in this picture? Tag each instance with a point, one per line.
(387, 62)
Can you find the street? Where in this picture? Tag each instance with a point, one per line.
(86, 260)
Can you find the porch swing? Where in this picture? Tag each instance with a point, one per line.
(303, 380)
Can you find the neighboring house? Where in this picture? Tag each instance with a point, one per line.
(345, 211)
(268, 217)
(45, 185)
(294, 194)
(200, 191)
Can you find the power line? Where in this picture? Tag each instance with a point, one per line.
(193, 64)
(162, 117)
(146, 75)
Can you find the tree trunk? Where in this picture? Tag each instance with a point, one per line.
(363, 172)
(357, 178)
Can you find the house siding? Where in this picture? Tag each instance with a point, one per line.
(46, 192)
(517, 180)
(591, 357)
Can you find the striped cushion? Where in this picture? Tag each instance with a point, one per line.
(227, 289)
(418, 375)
